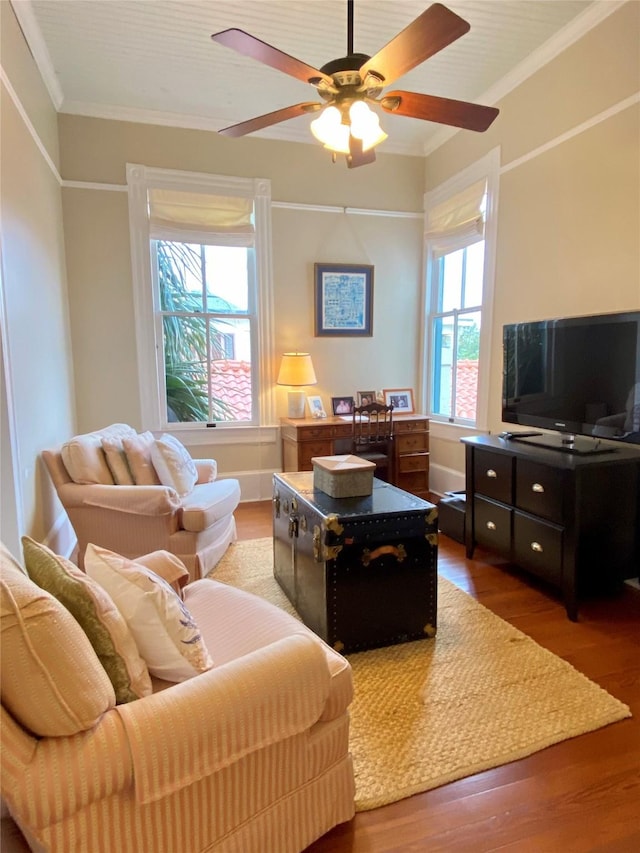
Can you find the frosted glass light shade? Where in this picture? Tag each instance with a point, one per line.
(330, 129)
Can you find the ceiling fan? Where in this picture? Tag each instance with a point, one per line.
(346, 85)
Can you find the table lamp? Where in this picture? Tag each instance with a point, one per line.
(296, 369)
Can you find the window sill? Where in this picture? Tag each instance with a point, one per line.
(452, 432)
(220, 435)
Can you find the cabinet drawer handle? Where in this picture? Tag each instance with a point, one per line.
(537, 487)
(491, 473)
(491, 525)
(536, 546)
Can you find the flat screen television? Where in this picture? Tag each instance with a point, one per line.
(576, 376)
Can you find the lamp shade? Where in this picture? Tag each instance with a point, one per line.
(296, 369)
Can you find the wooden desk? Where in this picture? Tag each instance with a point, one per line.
(303, 438)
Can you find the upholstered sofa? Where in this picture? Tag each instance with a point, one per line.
(249, 756)
(134, 493)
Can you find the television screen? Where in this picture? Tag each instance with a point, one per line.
(577, 375)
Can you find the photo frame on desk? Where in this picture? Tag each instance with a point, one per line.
(342, 405)
(401, 399)
(343, 300)
(316, 407)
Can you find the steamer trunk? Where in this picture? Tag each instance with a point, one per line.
(360, 571)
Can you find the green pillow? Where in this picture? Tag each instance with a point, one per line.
(98, 616)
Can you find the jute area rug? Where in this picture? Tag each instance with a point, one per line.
(426, 713)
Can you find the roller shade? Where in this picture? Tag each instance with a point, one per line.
(200, 218)
(458, 221)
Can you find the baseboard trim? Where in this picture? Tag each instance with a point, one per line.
(442, 479)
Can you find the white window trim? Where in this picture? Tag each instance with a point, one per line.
(139, 180)
(487, 167)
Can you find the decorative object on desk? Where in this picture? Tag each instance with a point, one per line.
(401, 399)
(343, 300)
(364, 398)
(342, 405)
(343, 476)
(483, 694)
(296, 369)
(316, 407)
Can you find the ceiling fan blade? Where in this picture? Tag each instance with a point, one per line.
(358, 157)
(433, 30)
(268, 119)
(441, 110)
(254, 48)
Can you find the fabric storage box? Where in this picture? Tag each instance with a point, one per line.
(361, 572)
(451, 515)
(343, 476)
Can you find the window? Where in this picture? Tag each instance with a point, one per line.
(460, 245)
(203, 298)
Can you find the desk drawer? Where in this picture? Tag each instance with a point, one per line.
(313, 448)
(413, 462)
(412, 442)
(400, 425)
(308, 433)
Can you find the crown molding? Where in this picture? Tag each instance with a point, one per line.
(33, 36)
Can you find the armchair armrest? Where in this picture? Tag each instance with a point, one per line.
(136, 500)
(198, 727)
(207, 470)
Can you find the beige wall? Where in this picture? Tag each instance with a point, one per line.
(569, 206)
(100, 285)
(37, 391)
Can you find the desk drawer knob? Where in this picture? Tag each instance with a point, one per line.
(491, 473)
(537, 547)
(491, 525)
(537, 487)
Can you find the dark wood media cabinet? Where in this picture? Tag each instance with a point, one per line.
(571, 520)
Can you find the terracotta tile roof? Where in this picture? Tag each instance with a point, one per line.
(231, 383)
(466, 389)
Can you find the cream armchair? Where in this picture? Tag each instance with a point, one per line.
(135, 519)
(248, 756)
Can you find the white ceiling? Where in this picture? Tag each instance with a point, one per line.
(154, 61)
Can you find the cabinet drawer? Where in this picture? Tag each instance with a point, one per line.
(313, 448)
(416, 482)
(342, 430)
(410, 426)
(492, 474)
(413, 462)
(539, 489)
(492, 525)
(537, 546)
(413, 441)
(308, 433)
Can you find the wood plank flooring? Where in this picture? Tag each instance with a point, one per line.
(579, 796)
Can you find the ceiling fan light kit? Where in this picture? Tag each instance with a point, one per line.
(346, 123)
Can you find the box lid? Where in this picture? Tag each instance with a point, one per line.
(347, 464)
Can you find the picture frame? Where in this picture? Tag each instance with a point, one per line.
(401, 399)
(342, 405)
(364, 398)
(343, 300)
(316, 407)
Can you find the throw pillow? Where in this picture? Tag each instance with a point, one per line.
(117, 461)
(173, 464)
(52, 681)
(165, 632)
(84, 457)
(138, 452)
(96, 614)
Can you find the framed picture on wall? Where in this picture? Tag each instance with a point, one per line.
(401, 399)
(343, 300)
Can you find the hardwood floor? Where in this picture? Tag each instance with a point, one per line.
(580, 796)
